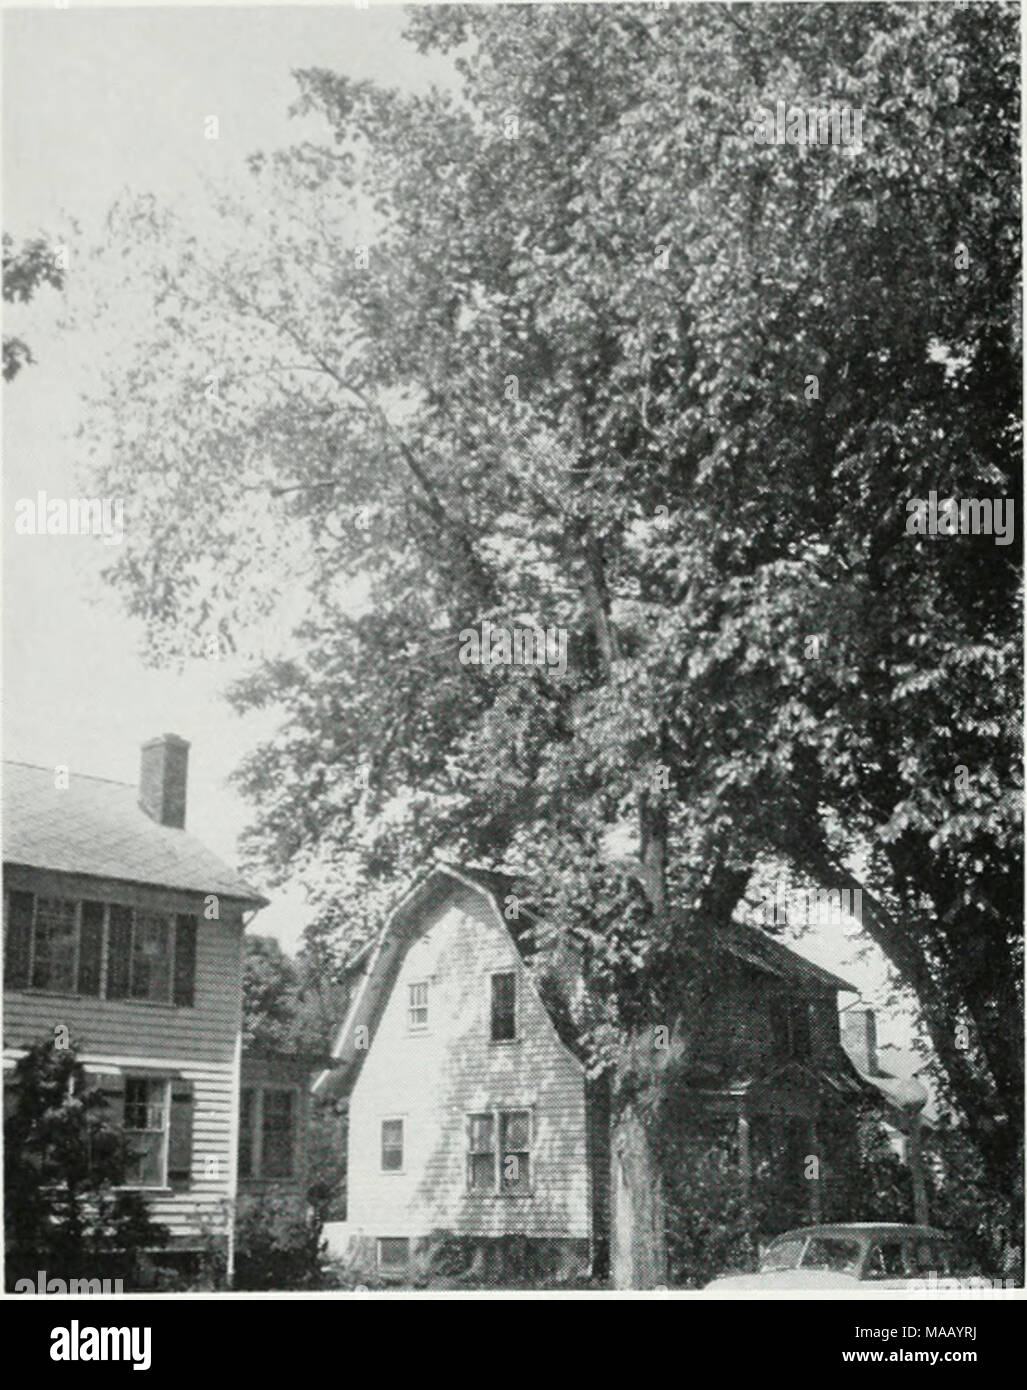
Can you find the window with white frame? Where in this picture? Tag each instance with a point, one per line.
(499, 1151)
(514, 1150)
(146, 1130)
(417, 1011)
(481, 1157)
(392, 1146)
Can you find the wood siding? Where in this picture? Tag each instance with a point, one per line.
(736, 1028)
(435, 1078)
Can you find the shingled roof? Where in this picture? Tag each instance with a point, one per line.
(96, 827)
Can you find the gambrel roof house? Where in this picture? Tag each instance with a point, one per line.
(128, 932)
(470, 1112)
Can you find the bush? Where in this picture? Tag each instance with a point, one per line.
(65, 1156)
(278, 1244)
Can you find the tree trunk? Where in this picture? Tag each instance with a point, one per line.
(639, 1246)
(921, 1214)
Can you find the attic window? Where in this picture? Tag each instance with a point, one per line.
(504, 1006)
(417, 1014)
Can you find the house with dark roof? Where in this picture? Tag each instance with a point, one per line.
(124, 934)
(471, 1114)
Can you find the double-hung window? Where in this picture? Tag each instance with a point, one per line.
(267, 1133)
(481, 1158)
(392, 1146)
(499, 1152)
(146, 1129)
(417, 1011)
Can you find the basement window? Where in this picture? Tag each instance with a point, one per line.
(393, 1254)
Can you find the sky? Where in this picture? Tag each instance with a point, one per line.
(96, 102)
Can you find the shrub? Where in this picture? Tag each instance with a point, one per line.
(278, 1244)
(65, 1155)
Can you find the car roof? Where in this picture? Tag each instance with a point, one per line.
(865, 1228)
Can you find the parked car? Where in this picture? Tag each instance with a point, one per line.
(877, 1255)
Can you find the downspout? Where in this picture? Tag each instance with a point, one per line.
(233, 1127)
(233, 1153)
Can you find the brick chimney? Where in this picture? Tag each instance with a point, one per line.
(163, 771)
(859, 1038)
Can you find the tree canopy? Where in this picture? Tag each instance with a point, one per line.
(570, 346)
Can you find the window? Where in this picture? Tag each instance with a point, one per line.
(53, 961)
(481, 1162)
(151, 957)
(888, 1261)
(393, 1253)
(504, 1006)
(514, 1144)
(146, 1128)
(506, 1169)
(834, 1253)
(417, 1014)
(930, 1257)
(800, 1030)
(790, 1028)
(267, 1133)
(392, 1146)
(102, 950)
(278, 1140)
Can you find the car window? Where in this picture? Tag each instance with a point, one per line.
(832, 1252)
(929, 1256)
(783, 1254)
(887, 1260)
